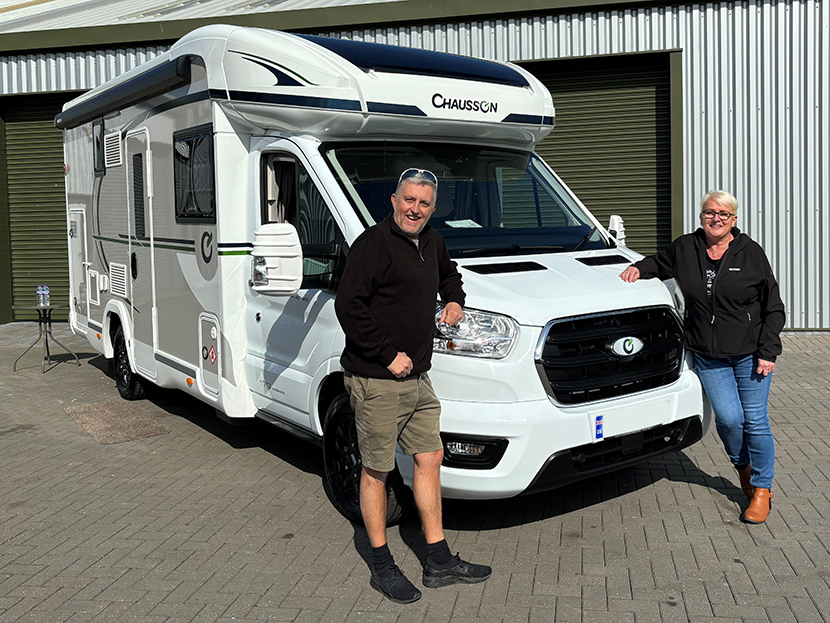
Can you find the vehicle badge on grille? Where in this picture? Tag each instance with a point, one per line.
(625, 347)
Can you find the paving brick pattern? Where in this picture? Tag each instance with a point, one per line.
(218, 523)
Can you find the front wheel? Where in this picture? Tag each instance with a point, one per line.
(130, 386)
(343, 467)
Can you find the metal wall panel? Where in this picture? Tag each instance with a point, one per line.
(756, 107)
(37, 203)
(68, 71)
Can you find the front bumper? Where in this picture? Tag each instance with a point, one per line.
(541, 436)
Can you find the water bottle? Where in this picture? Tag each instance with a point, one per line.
(46, 295)
(40, 296)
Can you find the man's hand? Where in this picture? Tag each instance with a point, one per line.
(452, 314)
(765, 367)
(630, 274)
(400, 366)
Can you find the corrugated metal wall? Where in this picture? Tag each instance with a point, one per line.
(756, 107)
(68, 71)
(37, 204)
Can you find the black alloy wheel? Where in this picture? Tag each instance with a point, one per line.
(130, 385)
(343, 468)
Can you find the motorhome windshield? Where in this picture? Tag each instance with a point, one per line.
(490, 202)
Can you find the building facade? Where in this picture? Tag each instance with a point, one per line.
(656, 104)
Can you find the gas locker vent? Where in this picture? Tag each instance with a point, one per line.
(118, 280)
(112, 150)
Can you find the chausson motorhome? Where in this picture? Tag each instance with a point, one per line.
(213, 193)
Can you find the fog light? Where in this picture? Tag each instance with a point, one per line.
(472, 451)
(459, 448)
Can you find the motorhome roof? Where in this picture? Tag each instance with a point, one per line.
(331, 88)
(396, 59)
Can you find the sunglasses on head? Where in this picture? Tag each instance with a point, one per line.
(427, 175)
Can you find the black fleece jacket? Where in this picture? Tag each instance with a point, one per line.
(386, 299)
(745, 316)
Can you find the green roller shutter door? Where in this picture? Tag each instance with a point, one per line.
(611, 144)
(37, 202)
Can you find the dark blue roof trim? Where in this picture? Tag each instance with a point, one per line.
(395, 59)
(283, 79)
(295, 100)
(528, 119)
(156, 81)
(395, 109)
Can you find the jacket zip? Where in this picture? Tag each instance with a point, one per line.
(712, 302)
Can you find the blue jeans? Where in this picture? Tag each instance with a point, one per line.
(739, 397)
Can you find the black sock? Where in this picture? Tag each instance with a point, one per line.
(438, 554)
(381, 557)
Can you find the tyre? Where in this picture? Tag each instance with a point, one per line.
(131, 386)
(343, 467)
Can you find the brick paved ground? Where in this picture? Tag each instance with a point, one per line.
(215, 523)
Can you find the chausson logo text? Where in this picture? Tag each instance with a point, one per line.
(439, 101)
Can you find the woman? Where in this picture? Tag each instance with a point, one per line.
(734, 315)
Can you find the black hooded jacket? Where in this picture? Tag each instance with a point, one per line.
(386, 300)
(745, 316)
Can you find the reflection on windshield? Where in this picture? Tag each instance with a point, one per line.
(489, 201)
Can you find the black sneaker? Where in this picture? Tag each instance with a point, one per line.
(460, 572)
(393, 583)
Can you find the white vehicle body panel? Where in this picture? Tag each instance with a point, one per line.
(257, 99)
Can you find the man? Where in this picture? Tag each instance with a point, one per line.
(386, 306)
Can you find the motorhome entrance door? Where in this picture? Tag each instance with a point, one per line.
(79, 269)
(140, 200)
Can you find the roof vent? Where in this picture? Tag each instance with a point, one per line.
(112, 149)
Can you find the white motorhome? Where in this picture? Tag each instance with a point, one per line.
(213, 193)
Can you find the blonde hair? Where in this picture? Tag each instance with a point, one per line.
(722, 197)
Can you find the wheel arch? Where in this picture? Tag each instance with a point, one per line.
(115, 314)
(331, 387)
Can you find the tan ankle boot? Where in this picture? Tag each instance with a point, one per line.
(759, 507)
(744, 475)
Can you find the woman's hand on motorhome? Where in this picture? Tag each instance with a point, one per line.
(452, 314)
(630, 274)
(400, 366)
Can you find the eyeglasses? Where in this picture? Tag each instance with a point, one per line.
(724, 215)
(427, 175)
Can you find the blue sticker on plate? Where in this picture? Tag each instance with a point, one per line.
(599, 427)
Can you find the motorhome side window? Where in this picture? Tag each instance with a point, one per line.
(98, 147)
(290, 196)
(193, 174)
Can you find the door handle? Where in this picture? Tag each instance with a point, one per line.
(134, 265)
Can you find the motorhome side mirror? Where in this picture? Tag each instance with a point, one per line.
(277, 260)
(616, 228)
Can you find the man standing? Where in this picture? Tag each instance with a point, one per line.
(386, 306)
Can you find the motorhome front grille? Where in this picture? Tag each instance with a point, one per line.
(577, 362)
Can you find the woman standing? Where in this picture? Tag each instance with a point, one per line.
(734, 316)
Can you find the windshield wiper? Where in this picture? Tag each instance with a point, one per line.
(585, 238)
(511, 249)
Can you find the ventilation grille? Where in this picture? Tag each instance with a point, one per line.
(579, 367)
(118, 280)
(512, 267)
(604, 260)
(112, 150)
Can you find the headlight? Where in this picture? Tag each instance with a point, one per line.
(479, 334)
(677, 297)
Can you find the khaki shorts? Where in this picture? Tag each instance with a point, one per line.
(389, 412)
